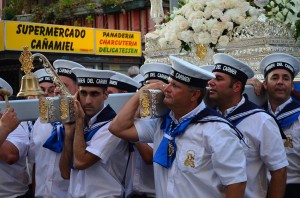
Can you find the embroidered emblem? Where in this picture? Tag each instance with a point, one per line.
(170, 149)
(289, 141)
(190, 159)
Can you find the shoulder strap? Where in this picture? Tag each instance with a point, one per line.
(106, 114)
(210, 115)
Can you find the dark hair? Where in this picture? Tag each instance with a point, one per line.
(202, 91)
(234, 80)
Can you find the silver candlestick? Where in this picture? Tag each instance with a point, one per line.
(157, 12)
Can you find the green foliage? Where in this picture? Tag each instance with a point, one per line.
(43, 14)
(13, 8)
(62, 10)
(90, 19)
(298, 29)
(110, 2)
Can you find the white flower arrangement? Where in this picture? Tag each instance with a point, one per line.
(285, 11)
(209, 22)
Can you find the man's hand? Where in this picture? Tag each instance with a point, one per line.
(9, 121)
(258, 86)
(79, 113)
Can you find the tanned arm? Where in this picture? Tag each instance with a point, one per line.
(9, 153)
(236, 190)
(145, 151)
(277, 183)
(82, 158)
(66, 158)
(122, 125)
(8, 123)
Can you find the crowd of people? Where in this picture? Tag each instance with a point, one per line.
(213, 141)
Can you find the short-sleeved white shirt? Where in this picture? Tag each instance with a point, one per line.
(49, 182)
(218, 158)
(265, 151)
(14, 179)
(292, 148)
(102, 179)
(141, 176)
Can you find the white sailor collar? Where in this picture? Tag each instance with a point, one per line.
(279, 108)
(231, 109)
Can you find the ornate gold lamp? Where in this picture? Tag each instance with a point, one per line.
(51, 109)
(30, 83)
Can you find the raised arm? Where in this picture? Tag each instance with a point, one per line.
(9, 153)
(8, 123)
(82, 158)
(66, 158)
(257, 85)
(122, 125)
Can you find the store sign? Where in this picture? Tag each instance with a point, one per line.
(118, 43)
(1, 35)
(49, 38)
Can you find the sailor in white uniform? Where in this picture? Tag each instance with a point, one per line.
(47, 138)
(197, 153)
(264, 150)
(139, 175)
(93, 158)
(279, 70)
(13, 152)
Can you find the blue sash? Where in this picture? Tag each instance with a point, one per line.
(288, 115)
(56, 140)
(90, 133)
(166, 151)
(105, 116)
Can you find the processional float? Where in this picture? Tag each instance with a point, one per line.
(249, 42)
(259, 35)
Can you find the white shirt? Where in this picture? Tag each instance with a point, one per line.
(27, 126)
(292, 147)
(265, 151)
(14, 179)
(49, 182)
(217, 154)
(141, 176)
(102, 179)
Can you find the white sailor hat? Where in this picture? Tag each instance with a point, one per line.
(123, 82)
(209, 68)
(6, 86)
(237, 69)
(43, 76)
(64, 67)
(92, 77)
(159, 71)
(189, 74)
(279, 61)
(139, 79)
